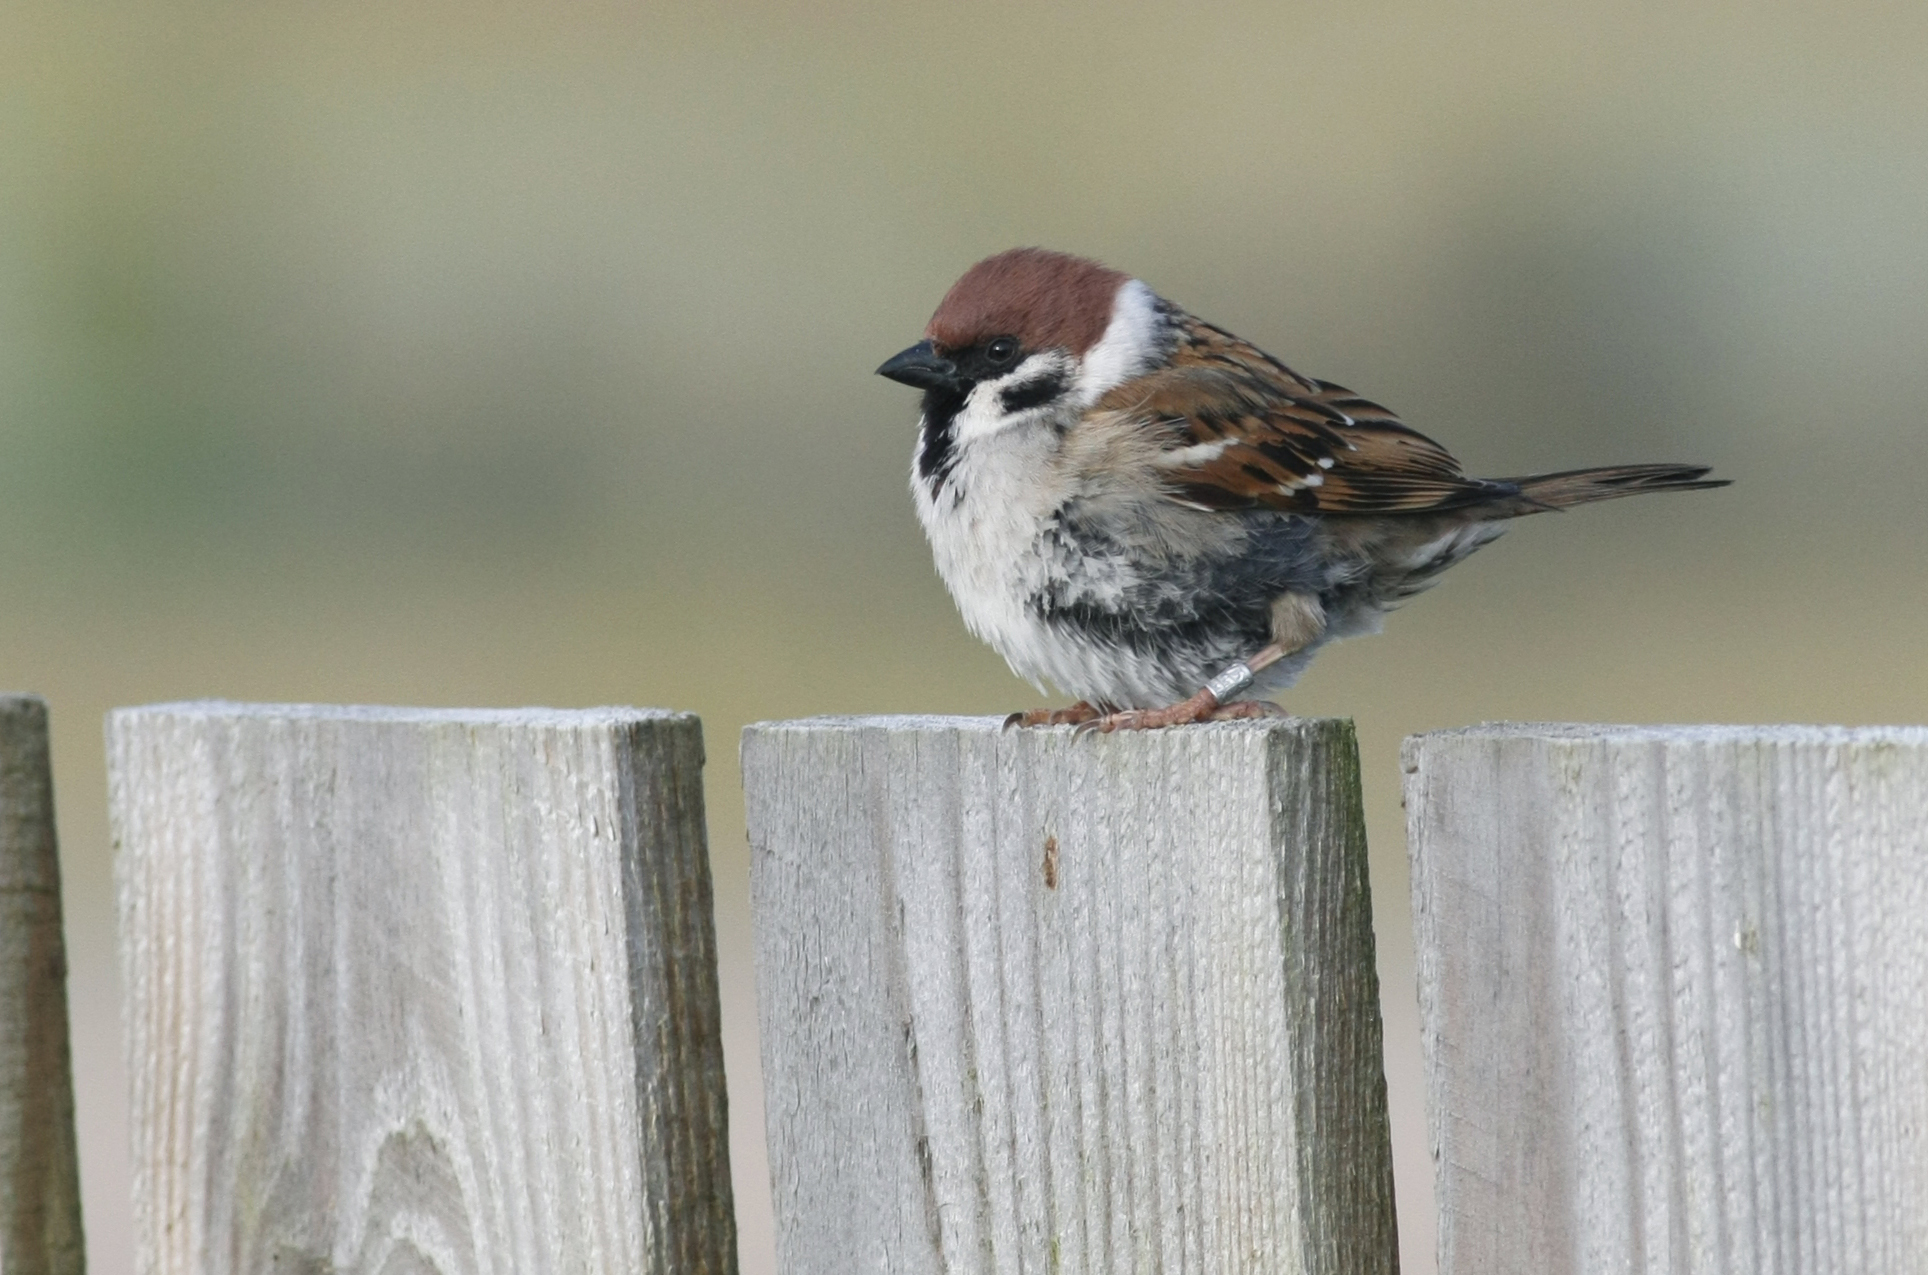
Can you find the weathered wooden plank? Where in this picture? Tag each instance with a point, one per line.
(414, 990)
(39, 1175)
(1674, 990)
(1033, 1003)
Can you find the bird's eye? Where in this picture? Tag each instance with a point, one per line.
(1002, 350)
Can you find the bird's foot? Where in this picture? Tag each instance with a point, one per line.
(1199, 708)
(1076, 715)
(1202, 707)
(1244, 709)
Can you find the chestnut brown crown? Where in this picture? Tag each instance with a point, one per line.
(1045, 299)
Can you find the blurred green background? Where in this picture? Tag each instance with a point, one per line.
(483, 354)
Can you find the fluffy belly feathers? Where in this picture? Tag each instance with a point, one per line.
(1128, 603)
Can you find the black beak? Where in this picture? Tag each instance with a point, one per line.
(923, 367)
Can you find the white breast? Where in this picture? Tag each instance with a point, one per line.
(1006, 483)
(990, 527)
(984, 525)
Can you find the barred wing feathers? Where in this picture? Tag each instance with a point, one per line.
(1245, 431)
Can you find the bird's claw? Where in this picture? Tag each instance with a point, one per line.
(1246, 709)
(1196, 709)
(1075, 715)
(1202, 707)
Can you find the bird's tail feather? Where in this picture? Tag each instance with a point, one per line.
(1540, 492)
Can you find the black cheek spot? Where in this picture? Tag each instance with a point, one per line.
(1033, 393)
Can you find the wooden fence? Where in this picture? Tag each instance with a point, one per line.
(1674, 984)
(1033, 1002)
(419, 991)
(436, 991)
(40, 1231)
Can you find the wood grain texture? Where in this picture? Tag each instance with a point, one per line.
(1674, 992)
(1033, 1003)
(419, 991)
(40, 1228)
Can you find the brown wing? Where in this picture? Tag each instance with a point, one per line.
(1246, 431)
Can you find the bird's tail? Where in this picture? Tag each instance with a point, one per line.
(1540, 492)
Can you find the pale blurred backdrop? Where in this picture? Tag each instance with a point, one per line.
(496, 354)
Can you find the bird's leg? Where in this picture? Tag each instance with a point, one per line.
(1298, 621)
(1245, 709)
(1075, 715)
(1213, 704)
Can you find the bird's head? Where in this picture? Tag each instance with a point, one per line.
(1028, 332)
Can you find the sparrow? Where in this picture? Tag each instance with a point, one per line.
(1162, 519)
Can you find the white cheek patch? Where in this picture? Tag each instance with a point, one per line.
(1130, 341)
(983, 414)
(985, 411)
